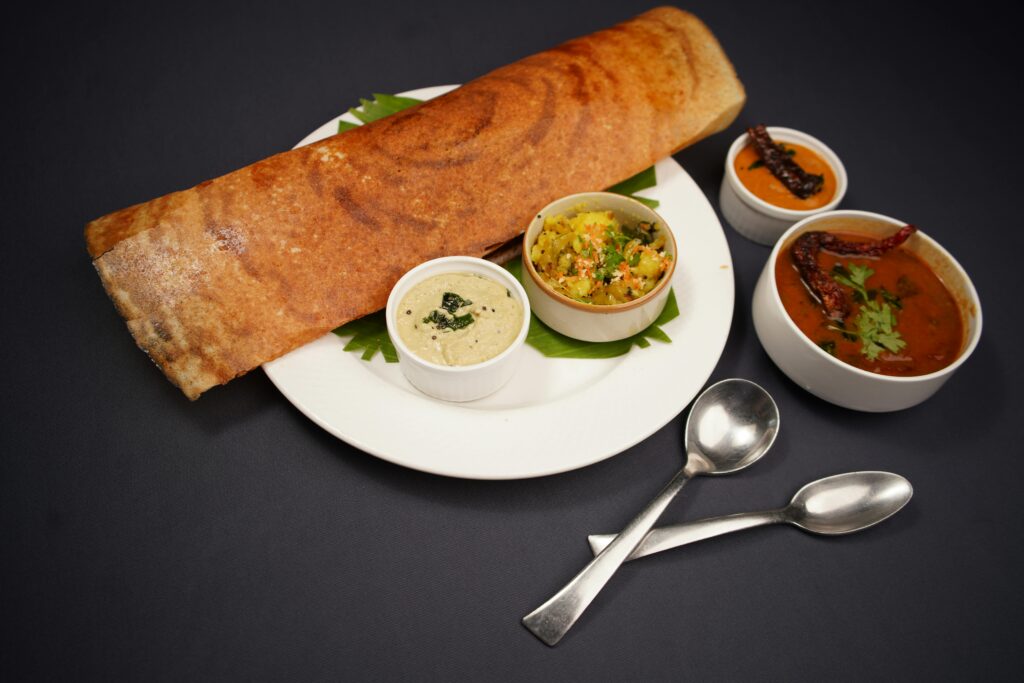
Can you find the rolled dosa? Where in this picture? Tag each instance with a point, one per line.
(217, 279)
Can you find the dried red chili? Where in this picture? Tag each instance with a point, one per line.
(796, 179)
(804, 253)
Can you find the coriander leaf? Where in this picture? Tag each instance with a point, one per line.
(860, 274)
(756, 164)
(855, 277)
(617, 238)
(612, 259)
(875, 324)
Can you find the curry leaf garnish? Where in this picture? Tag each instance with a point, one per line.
(876, 321)
(451, 302)
(448, 322)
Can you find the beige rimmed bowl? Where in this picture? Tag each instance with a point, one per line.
(592, 322)
(829, 378)
(753, 217)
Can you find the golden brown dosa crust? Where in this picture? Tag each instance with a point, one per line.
(239, 270)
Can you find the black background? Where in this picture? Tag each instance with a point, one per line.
(145, 537)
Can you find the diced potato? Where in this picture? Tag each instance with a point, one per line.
(561, 242)
(619, 291)
(575, 254)
(649, 266)
(564, 262)
(581, 287)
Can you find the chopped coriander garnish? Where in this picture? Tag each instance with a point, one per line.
(876, 321)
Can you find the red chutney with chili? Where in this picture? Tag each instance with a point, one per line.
(927, 317)
(756, 177)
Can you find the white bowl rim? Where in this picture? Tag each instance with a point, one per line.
(968, 349)
(781, 133)
(602, 309)
(506, 277)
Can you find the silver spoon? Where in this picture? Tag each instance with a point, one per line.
(731, 425)
(840, 504)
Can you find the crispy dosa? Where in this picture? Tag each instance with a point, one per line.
(234, 272)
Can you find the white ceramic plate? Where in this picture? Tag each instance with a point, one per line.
(556, 414)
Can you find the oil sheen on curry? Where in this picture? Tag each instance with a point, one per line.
(870, 303)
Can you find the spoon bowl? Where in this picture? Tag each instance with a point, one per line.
(845, 503)
(840, 504)
(731, 425)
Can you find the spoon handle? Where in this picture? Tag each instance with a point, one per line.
(554, 618)
(666, 537)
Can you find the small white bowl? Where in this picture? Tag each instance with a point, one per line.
(753, 217)
(829, 378)
(459, 382)
(592, 322)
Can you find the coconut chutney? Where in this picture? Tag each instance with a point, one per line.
(458, 319)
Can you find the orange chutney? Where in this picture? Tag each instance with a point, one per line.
(928, 317)
(766, 186)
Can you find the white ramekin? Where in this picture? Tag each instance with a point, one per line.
(591, 322)
(753, 217)
(462, 382)
(829, 378)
